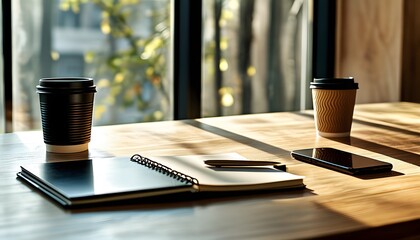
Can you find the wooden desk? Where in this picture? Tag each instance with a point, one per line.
(334, 205)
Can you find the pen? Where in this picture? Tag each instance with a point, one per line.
(244, 163)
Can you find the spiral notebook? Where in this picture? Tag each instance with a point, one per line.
(76, 183)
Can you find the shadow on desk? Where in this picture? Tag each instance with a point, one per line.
(89, 154)
(407, 230)
(379, 175)
(183, 200)
(399, 154)
(402, 155)
(262, 146)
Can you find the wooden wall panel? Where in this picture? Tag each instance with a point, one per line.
(410, 88)
(369, 47)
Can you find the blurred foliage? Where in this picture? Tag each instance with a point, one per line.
(133, 69)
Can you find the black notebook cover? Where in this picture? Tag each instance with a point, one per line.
(103, 180)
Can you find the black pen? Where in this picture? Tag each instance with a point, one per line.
(244, 163)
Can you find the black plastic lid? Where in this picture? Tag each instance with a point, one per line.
(334, 83)
(66, 84)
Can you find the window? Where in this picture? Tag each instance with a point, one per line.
(255, 57)
(123, 45)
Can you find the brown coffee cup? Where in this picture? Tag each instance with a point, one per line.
(333, 102)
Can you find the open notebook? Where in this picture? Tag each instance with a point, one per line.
(82, 182)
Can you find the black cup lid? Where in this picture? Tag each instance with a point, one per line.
(67, 84)
(334, 83)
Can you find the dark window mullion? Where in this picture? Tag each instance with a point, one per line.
(7, 63)
(187, 58)
(324, 38)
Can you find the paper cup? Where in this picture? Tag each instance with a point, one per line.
(66, 112)
(333, 101)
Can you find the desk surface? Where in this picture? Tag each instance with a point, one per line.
(333, 204)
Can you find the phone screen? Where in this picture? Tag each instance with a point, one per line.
(341, 160)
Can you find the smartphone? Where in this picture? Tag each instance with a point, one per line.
(341, 161)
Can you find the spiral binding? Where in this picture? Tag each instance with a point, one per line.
(164, 169)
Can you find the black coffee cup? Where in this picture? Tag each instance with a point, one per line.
(66, 111)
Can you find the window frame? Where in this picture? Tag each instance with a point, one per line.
(7, 65)
(187, 49)
(187, 60)
(324, 24)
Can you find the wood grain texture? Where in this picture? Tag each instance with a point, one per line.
(380, 206)
(369, 47)
(411, 52)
